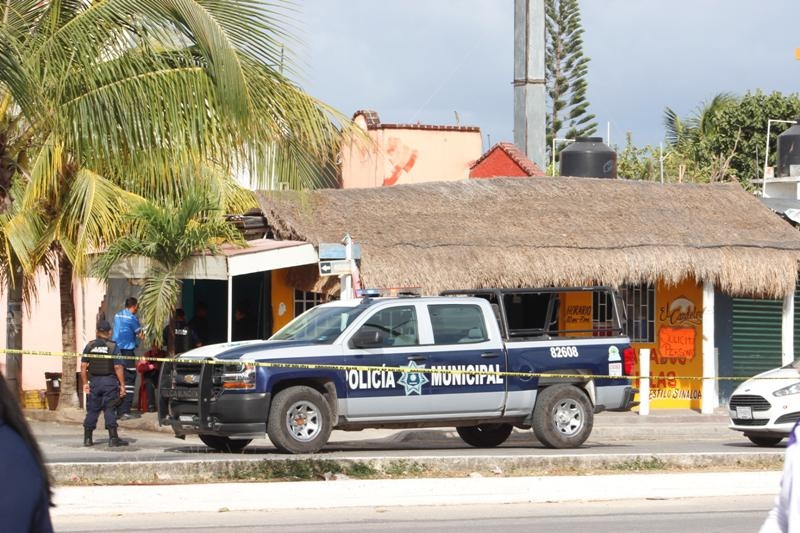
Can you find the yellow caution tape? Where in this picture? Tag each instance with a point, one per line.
(418, 370)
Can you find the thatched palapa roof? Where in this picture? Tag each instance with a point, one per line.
(548, 231)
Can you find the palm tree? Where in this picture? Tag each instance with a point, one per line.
(690, 139)
(20, 233)
(141, 95)
(701, 124)
(167, 233)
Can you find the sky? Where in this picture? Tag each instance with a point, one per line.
(450, 62)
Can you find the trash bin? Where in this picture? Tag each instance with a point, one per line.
(53, 380)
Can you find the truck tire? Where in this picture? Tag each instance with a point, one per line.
(225, 444)
(299, 420)
(485, 435)
(562, 416)
(760, 440)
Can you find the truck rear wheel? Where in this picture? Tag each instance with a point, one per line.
(562, 417)
(299, 420)
(224, 444)
(485, 435)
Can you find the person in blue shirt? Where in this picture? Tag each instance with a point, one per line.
(26, 495)
(103, 382)
(127, 333)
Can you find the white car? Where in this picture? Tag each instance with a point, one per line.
(766, 407)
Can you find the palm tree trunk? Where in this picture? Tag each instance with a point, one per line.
(171, 336)
(69, 397)
(14, 330)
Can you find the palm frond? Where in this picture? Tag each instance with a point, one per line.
(160, 293)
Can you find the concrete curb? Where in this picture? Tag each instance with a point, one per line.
(261, 469)
(138, 500)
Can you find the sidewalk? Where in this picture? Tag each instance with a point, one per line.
(344, 493)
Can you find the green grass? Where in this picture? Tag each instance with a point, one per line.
(640, 464)
(403, 468)
(300, 470)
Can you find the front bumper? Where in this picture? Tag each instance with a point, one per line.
(756, 415)
(192, 401)
(229, 415)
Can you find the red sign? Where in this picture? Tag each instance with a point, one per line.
(676, 343)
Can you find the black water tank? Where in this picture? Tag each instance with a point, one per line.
(588, 157)
(789, 151)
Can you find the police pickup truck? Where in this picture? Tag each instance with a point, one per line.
(482, 361)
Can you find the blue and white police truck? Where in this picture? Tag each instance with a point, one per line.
(482, 361)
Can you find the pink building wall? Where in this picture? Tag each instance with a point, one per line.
(41, 328)
(396, 154)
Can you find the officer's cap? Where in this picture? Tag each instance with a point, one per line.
(103, 325)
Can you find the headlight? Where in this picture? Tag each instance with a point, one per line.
(239, 376)
(786, 391)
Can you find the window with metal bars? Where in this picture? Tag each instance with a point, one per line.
(602, 313)
(303, 301)
(640, 303)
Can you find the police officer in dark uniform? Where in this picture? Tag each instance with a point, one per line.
(104, 382)
(185, 336)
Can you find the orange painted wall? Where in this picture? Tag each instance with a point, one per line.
(575, 313)
(676, 358)
(409, 155)
(282, 300)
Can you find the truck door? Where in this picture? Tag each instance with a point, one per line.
(387, 340)
(470, 355)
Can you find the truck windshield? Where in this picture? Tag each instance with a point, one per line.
(319, 324)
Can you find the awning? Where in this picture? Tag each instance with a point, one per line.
(259, 255)
(788, 207)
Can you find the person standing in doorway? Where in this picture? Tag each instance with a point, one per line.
(104, 384)
(199, 323)
(185, 336)
(25, 503)
(127, 333)
(244, 325)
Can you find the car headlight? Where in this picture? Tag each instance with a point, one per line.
(241, 376)
(786, 391)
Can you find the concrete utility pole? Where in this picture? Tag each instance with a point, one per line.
(529, 87)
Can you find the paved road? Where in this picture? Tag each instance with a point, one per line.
(733, 514)
(63, 442)
(619, 442)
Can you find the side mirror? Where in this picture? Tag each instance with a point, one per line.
(368, 338)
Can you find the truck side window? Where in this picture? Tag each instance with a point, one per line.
(399, 325)
(457, 324)
(527, 313)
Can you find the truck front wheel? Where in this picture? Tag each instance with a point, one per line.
(562, 417)
(485, 435)
(299, 420)
(224, 444)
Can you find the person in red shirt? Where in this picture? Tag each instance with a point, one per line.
(149, 366)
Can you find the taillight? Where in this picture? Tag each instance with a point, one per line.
(628, 360)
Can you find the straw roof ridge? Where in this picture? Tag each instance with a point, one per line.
(549, 231)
